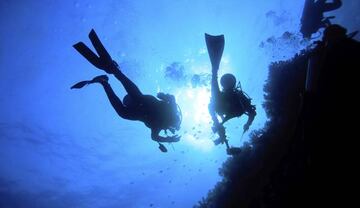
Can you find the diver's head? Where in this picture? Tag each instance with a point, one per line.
(228, 82)
(334, 32)
(128, 101)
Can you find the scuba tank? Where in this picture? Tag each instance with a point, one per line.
(244, 98)
(173, 110)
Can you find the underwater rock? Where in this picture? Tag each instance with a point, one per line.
(285, 163)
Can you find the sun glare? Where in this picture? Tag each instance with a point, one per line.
(197, 122)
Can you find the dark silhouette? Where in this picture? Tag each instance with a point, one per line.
(232, 101)
(313, 15)
(157, 114)
(302, 157)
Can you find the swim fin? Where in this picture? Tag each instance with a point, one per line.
(215, 47)
(99, 47)
(101, 60)
(87, 53)
(80, 85)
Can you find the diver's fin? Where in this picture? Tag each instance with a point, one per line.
(101, 78)
(88, 54)
(215, 47)
(80, 85)
(99, 47)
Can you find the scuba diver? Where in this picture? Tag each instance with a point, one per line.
(335, 38)
(157, 114)
(332, 72)
(229, 103)
(313, 18)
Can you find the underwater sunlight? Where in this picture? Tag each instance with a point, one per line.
(65, 138)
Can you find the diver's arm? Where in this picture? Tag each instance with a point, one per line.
(217, 126)
(156, 137)
(251, 116)
(215, 94)
(226, 118)
(213, 113)
(336, 4)
(155, 134)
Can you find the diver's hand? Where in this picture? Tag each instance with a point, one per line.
(172, 130)
(246, 127)
(220, 140)
(218, 128)
(221, 130)
(174, 138)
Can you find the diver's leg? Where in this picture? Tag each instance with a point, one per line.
(116, 103)
(215, 90)
(214, 99)
(212, 113)
(129, 86)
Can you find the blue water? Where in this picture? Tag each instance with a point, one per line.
(67, 148)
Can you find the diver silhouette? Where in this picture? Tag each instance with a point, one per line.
(229, 103)
(338, 48)
(157, 114)
(313, 18)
